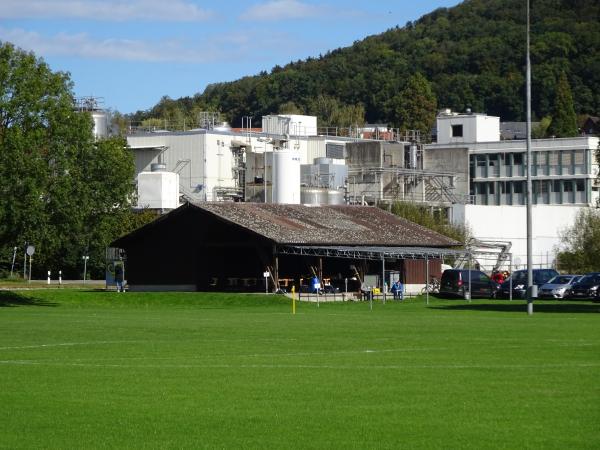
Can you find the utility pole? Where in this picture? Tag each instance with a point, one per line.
(12, 267)
(530, 288)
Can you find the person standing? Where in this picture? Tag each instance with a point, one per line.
(119, 276)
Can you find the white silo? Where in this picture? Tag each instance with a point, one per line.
(100, 123)
(286, 176)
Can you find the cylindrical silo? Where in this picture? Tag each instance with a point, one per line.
(100, 124)
(321, 196)
(286, 176)
(335, 197)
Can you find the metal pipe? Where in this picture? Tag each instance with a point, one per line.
(510, 281)
(427, 279)
(470, 268)
(383, 289)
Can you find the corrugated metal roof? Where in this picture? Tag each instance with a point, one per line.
(326, 225)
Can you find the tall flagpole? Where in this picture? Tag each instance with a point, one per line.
(529, 184)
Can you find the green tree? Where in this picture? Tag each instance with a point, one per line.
(433, 220)
(332, 113)
(541, 130)
(415, 107)
(581, 244)
(290, 108)
(564, 119)
(59, 189)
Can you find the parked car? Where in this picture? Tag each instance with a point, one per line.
(558, 286)
(587, 287)
(519, 282)
(455, 282)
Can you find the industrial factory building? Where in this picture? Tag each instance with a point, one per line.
(286, 162)
(470, 174)
(493, 174)
(216, 163)
(228, 246)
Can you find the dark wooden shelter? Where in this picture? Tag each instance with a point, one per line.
(229, 246)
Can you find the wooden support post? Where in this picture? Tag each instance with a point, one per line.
(321, 271)
(276, 274)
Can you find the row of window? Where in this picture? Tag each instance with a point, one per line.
(556, 162)
(543, 192)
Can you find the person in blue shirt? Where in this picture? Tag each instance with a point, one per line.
(315, 285)
(398, 290)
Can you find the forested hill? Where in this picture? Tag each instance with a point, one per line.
(472, 54)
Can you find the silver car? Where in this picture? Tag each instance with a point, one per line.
(558, 286)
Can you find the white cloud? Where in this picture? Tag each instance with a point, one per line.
(282, 9)
(232, 46)
(107, 10)
(83, 45)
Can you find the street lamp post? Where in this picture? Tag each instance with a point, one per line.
(530, 288)
(85, 260)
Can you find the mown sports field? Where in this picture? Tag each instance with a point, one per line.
(84, 369)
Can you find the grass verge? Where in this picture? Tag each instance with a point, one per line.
(90, 369)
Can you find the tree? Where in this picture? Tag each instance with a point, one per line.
(435, 221)
(59, 189)
(581, 244)
(564, 120)
(415, 106)
(289, 108)
(541, 131)
(332, 113)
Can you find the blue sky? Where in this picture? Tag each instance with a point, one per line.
(133, 52)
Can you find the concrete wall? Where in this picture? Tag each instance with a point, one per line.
(508, 223)
(450, 160)
(374, 155)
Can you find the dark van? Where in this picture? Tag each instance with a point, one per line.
(456, 282)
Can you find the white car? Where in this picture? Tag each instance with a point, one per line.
(558, 286)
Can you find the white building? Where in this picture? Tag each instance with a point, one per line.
(221, 164)
(563, 181)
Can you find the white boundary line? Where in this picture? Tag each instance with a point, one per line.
(67, 344)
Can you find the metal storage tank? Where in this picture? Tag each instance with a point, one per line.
(335, 197)
(100, 124)
(319, 196)
(314, 196)
(223, 126)
(286, 177)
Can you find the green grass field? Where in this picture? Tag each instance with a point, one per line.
(84, 369)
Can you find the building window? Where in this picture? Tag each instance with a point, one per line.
(517, 159)
(556, 186)
(580, 185)
(457, 131)
(494, 165)
(518, 187)
(481, 160)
